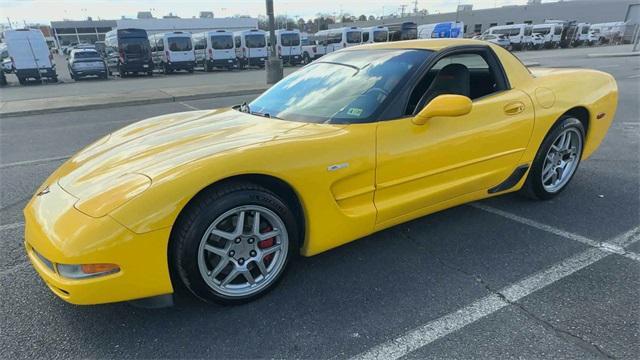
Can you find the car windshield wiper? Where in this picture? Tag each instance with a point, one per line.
(267, 115)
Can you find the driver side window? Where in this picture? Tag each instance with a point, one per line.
(464, 73)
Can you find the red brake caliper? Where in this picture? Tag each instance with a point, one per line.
(267, 243)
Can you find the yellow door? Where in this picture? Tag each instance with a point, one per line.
(422, 165)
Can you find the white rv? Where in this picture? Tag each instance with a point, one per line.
(552, 34)
(251, 47)
(336, 39)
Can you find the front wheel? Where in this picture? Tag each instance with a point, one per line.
(232, 244)
(557, 160)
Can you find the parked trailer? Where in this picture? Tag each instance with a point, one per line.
(29, 55)
(215, 49)
(447, 29)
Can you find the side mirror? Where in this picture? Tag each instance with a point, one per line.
(444, 105)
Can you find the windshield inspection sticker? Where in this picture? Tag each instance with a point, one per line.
(354, 111)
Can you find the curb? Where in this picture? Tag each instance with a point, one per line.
(105, 105)
(625, 54)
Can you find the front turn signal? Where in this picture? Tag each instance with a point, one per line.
(86, 270)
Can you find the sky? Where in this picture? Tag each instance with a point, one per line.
(43, 11)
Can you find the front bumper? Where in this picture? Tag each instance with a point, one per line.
(57, 233)
(137, 67)
(256, 61)
(36, 73)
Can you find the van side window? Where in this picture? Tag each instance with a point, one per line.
(468, 74)
(237, 40)
(365, 36)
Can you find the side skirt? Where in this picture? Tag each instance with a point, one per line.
(512, 180)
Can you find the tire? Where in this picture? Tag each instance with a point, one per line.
(54, 78)
(191, 264)
(534, 187)
(306, 59)
(190, 71)
(22, 81)
(206, 66)
(165, 69)
(150, 73)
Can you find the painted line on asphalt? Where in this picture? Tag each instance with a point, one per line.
(33, 162)
(452, 322)
(11, 226)
(188, 106)
(611, 246)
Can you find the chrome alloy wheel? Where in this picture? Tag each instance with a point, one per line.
(561, 160)
(243, 251)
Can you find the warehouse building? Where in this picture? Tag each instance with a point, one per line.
(535, 12)
(89, 31)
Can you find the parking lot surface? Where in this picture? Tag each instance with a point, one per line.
(502, 278)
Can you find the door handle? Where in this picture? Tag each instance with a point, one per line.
(514, 108)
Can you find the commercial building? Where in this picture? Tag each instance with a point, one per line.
(535, 12)
(89, 31)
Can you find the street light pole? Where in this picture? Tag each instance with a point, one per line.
(274, 64)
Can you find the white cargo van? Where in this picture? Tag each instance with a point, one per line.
(519, 34)
(375, 34)
(288, 46)
(336, 39)
(251, 47)
(30, 55)
(172, 51)
(215, 49)
(552, 34)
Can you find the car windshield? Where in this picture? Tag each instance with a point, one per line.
(343, 87)
(222, 42)
(179, 43)
(255, 41)
(354, 37)
(290, 39)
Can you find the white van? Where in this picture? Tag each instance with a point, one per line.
(582, 34)
(336, 39)
(288, 46)
(447, 29)
(552, 34)
(172, 51)
(251, 47)
(215, 49)
(30, 55)
(519, 34)
(375, 34)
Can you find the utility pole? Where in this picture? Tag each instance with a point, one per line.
(274, 64)
(415, 8)
(402, 7)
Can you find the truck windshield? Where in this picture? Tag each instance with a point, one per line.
(290, 39)
(222, 42)
(343, 87)
(179, 43)
(255, 41)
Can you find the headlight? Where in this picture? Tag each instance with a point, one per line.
(113, 193)
(86, 270)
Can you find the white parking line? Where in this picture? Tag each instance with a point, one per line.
(11, 226)
(447, 324)
(188, 106)
(33, 162)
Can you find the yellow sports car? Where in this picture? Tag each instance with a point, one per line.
(360, 140)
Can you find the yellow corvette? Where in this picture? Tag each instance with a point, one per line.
(362, 139)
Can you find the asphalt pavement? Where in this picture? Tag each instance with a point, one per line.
(502, 278)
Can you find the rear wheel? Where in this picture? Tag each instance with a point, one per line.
(233, 243)
(22, 80)
(557, 160)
